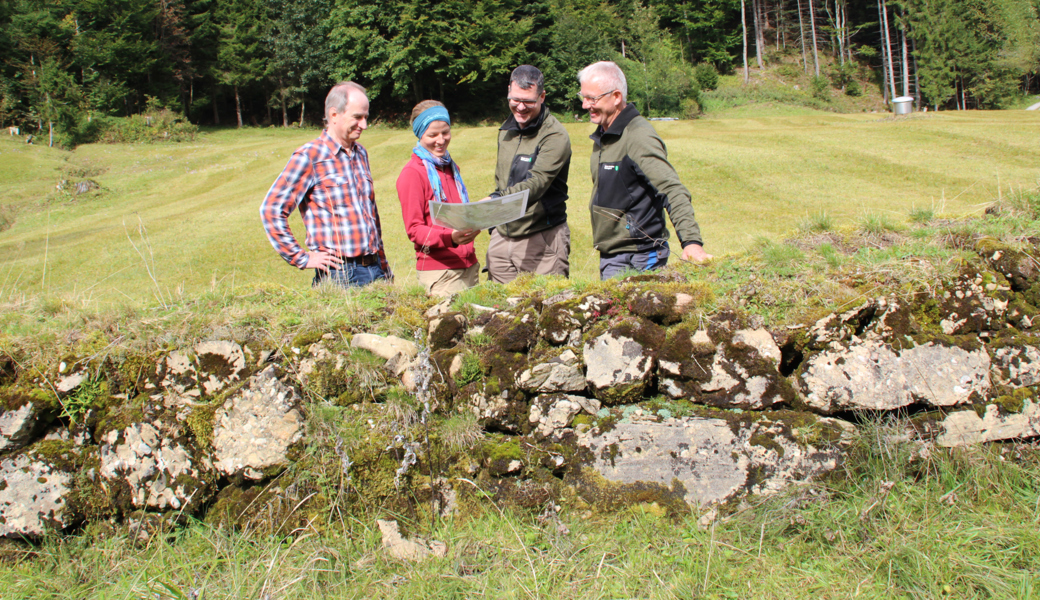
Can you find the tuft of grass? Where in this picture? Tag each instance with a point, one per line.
(876, 223)
(921, 216)
(830, 255)
(817, 222)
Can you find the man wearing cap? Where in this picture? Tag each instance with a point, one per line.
(534, 153)
(632, 182)
(329, 180)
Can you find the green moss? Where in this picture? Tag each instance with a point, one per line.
(608, 496)
(200, 422)
(304, 339)
(1014, 402)
(767, 442)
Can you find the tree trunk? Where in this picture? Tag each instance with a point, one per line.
(888, 49)
(759, 36)
(216, 112)
(916, 80)
(812, 30)
(303, 101)
(906, 64)
(839, 25)
(238, 107)
(743, 25)
(801, 38)
(285, 113)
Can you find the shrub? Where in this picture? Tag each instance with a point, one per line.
(706, 76)
(691, 108)
(789, 71)
(853, 88)
(162, 125)
(820, 87)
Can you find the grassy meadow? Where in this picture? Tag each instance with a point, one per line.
(170, 250)
(173, 220)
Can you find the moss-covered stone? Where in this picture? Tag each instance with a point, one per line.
(515, 331)
(654, 304)
(447, 330)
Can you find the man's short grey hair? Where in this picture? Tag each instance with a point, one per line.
(525, 77)
(609, 74)
(339, 95)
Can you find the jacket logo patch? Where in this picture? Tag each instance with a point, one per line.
(610, 168)
(525, 158)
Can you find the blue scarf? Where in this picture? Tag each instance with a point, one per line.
(431, 162)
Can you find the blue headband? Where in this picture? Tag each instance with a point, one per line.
(428, 116)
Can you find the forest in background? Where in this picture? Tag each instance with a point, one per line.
(71, 67)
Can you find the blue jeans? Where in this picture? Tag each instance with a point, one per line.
(614, 265)
(350, 275)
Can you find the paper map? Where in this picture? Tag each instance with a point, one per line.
(480, 215)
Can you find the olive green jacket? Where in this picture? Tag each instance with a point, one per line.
(632, 184)
(536, 158)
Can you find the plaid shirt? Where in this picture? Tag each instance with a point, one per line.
(335, 196)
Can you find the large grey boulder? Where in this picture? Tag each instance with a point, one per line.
(703, 461)
(254, 429)
(146, 464)
(560, 374)
(32, 497)
(618, 368)
(870, 375)
(968, 427)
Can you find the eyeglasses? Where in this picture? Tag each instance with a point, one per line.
(593, 99)
(522, 101)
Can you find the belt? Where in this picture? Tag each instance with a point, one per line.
(365, 260)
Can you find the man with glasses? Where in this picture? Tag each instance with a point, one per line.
(534, 153)
(632, 182)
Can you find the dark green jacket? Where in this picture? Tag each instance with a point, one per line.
(632, 184)
(536, 158)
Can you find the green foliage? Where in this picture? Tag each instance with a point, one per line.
(470, 371)
(87, 395)
(820, 87)
(706, 75)
(658, 80)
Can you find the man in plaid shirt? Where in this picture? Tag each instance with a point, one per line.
(330, 181)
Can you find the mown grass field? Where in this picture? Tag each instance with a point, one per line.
(174, 220)
(177, 225)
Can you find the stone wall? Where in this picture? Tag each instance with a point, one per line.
(597, 399)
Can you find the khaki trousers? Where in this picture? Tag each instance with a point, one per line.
(449, 281)
(545, 253)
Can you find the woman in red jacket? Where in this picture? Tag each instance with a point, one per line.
(444, 257)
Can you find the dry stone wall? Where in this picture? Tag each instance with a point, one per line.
(598, 399)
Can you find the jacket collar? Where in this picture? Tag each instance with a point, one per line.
(512, 125)
(620, 123)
